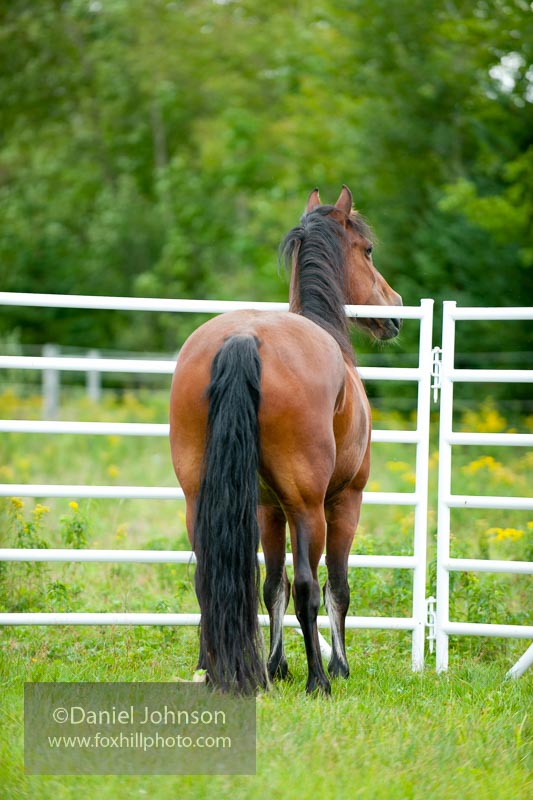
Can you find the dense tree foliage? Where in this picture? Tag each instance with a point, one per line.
(164, 148)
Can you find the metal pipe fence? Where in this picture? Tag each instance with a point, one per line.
(416, 499)
(444, 377)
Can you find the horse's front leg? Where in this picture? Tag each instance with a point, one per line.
(276, 590)
(342, 518)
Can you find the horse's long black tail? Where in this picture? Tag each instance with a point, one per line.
(226, 533)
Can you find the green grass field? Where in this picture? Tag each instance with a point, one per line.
(385, 733)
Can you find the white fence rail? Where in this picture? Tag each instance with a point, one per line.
(446, 500)
(417, 499)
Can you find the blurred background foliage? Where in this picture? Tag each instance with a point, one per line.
(160, 148)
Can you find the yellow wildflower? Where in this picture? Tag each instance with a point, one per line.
(485, 462)
(397, 466)
(40, 510)
(486, 420)
(501, 534)
(406, 522)
(73, 505)
(527, 460)
(122, 532)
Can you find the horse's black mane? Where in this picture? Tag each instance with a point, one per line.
(316, 248)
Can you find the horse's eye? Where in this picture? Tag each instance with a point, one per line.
(368, 251)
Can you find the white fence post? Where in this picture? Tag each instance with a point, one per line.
(421, 472)
(51, 384)
(444, 486)
(93, 380)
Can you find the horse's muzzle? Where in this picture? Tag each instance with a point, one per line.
(390, 328)
(396, 325)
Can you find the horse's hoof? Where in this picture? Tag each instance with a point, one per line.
(279, 671)
(338, 669)
(318, 686)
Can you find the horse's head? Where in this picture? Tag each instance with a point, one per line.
(364, 284)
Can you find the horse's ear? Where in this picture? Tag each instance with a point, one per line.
(312, 201)
(345, 201)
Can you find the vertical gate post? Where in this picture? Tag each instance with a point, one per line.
(444, 485)
(421, 471)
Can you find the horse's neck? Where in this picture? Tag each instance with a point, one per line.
(320, 317)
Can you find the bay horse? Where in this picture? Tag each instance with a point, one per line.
(270, 424)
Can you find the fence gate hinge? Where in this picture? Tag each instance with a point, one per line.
(436, 372)
(431, 621)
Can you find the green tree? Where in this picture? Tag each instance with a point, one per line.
(164, 148)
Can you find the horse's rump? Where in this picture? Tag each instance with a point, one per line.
(303, 387)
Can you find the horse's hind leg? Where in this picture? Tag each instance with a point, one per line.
(276, 590)
(342, 521)
(190, 515)
(308, 529)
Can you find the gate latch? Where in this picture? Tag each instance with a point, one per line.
(436, 382)
(431, 622)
